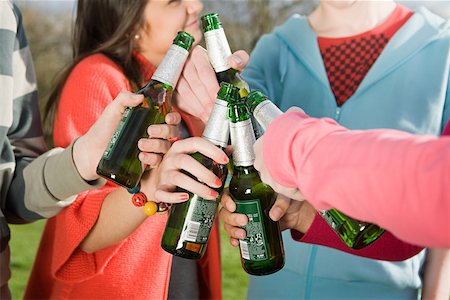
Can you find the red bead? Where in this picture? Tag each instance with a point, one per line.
(139, 199)
(163, 207)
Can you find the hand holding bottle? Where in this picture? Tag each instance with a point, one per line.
(159, 142)
(89, 148)
(197, 87)
(180, 169)
(291, 215)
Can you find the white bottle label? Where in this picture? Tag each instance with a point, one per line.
(242, 139)
(266, 112)
(169, 70)
(217, 130)
(218, 49)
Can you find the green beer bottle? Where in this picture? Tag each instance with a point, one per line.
(218, 52)
(262, 250)
(120, 162)
(262, 108)
(354, 233)
(190, 223)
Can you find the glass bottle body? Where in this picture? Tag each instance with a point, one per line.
(189, 225)
(120, 162)
(354, 233)
(262, 251)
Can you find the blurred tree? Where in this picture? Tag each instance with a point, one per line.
(48, 35)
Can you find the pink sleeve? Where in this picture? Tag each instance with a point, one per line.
(402, 178)
(91, 86)
(446, 129)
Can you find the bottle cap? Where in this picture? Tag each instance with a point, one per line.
(210, 22)
(184, 40)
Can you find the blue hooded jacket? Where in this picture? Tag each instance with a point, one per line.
(407, 88)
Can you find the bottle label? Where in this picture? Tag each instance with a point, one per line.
(199, 221)
(117, 134)
(243, 138)
(266, 112)
(218, 49)
(217, 130)
(254, 246)
(169, 70)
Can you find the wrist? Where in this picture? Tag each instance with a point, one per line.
(308, 213)
(83, 161)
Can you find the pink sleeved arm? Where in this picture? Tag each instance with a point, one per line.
(391, 178)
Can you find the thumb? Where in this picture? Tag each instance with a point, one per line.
(117, 107)
(238, 60)
(279, 208)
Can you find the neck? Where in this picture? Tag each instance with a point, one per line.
(155, 60)
(334, 18)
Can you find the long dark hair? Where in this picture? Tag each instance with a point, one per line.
(107, 27)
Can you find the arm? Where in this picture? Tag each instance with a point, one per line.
(308, 227)
(88, 90)
(375, 160)
(33, 192)
(20, 118)
(436, 275)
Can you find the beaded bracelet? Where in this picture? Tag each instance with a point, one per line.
(139, 199)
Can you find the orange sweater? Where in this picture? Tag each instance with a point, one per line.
(137, 267)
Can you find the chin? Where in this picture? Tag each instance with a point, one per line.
(340, 3)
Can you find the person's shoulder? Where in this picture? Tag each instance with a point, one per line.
(8, 17)
(441, 24)
(294, 28)
(293, 34)
(294, 23)
(96, 74)
(97, 67)
(97, 64)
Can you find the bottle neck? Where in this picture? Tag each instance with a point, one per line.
(169, 70)
(217, 130)
(242, 139)
(243, 170)
(265, 112)
(218, 49)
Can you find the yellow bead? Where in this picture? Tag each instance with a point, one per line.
(150, 208)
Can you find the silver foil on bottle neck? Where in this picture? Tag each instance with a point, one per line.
(242, 140)
(169, 70)
(217, 130)
(218, 49)
(266, 112)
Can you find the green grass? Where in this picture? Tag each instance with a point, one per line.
(24, 243)
(234, 278)
(25, 240)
